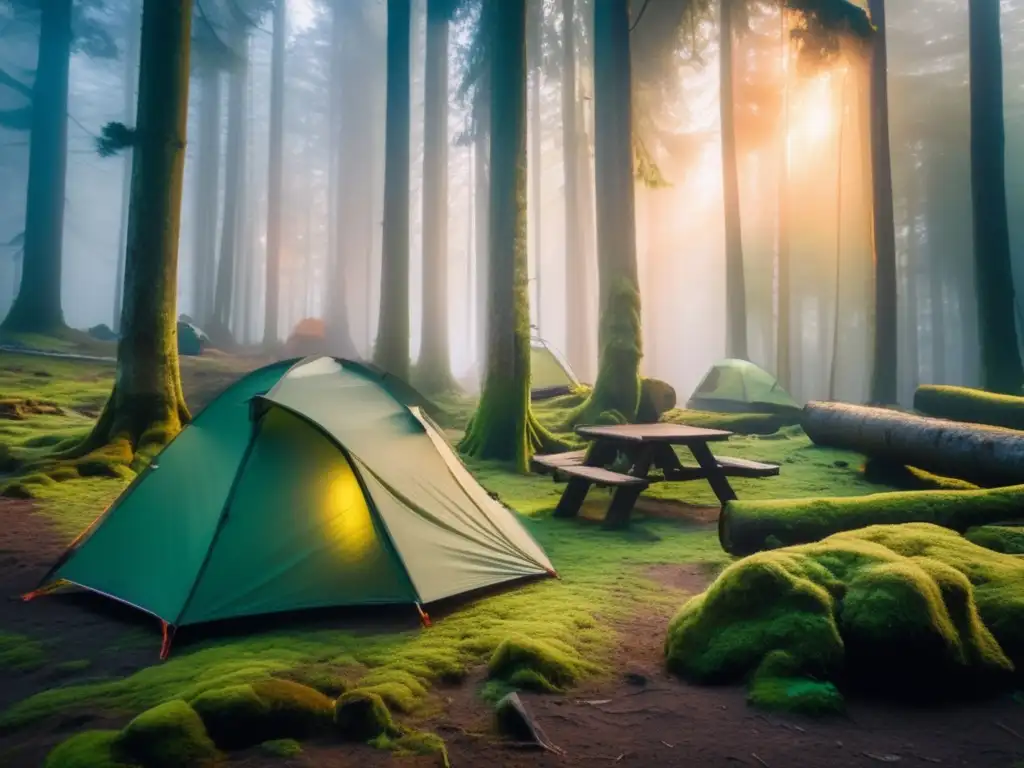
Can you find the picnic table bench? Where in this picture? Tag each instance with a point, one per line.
(636, 449)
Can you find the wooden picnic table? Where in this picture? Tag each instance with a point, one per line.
(637, 449)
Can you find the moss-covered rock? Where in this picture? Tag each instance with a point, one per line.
(244, 715)
(89, 749)
(779, 685)
(321, 677)
(546, 666)
(999, 538)
(907, 610)
(361, 716)
(282, 747)
(170, 735)
(656, 398)
(740, 423)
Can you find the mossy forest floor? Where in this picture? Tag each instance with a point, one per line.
(73, 662)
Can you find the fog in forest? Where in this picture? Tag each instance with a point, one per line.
(802, 154)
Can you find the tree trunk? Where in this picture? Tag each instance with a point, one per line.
(735, 283)
(503, 427)
(37, 308)
(482, 186)
(577, 349)
(147, 407)
(131, 87)
(392, 348)
(884, 371)
(1000, 353)
(434, 368)
(783, 361)
(233, 183)
(204, 196)
(617, 388)
(746, 527)
(588, 237)
(349, 151)
(535, 161)
(939, 337)
(272, 307)
(982, 455)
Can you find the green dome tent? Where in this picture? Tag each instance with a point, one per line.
(739, 386)
(550, 374)
(306, 484)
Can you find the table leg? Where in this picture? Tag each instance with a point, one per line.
(666, 460)
(572, 497)
(601, 453)
(715, 475)
(621, 508)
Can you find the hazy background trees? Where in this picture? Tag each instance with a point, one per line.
(801, 134)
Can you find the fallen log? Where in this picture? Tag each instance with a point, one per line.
(975, 406)
(745, 527)
(983, 455)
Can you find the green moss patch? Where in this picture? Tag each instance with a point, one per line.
(89, 749)
(911, 478)
(361, 715)
(282, 747)
(779, 685)
(20, 653)
(910, 611)
(242, 715)
(999, 538)
(320, 677)
(170, 735)
(412, 742)
(537, 665)
(970, 405)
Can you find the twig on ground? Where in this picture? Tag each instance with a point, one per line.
(762, 762)
(670, 746)
(882, 758)
(1009, 730)
(645, 690)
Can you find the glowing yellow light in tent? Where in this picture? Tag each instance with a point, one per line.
(348, 516)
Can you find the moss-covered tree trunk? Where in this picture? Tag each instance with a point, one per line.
(37, 307)
(616, 393)
(391, 351)
(735, 282)
(576, 348)
(147, 407)
(885, 364)
(1001, 367)
(434, 368)
(503, 427)
(234, 179)
(272, 288)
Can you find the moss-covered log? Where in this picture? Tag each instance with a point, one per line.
(745, 527)
(985, 456)
(147, 405)
(975, 406)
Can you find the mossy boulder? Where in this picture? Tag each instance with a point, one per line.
(908, 611)
(999, 538)
(656, 398)
(170, 735)
(779, 684)
(547, 666)
(361, 716)
(244, 715)
(89, 749)
(282, 747)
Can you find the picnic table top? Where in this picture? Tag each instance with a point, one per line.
(677, 434)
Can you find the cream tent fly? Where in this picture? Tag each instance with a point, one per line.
(306, 484)
(550, 374)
